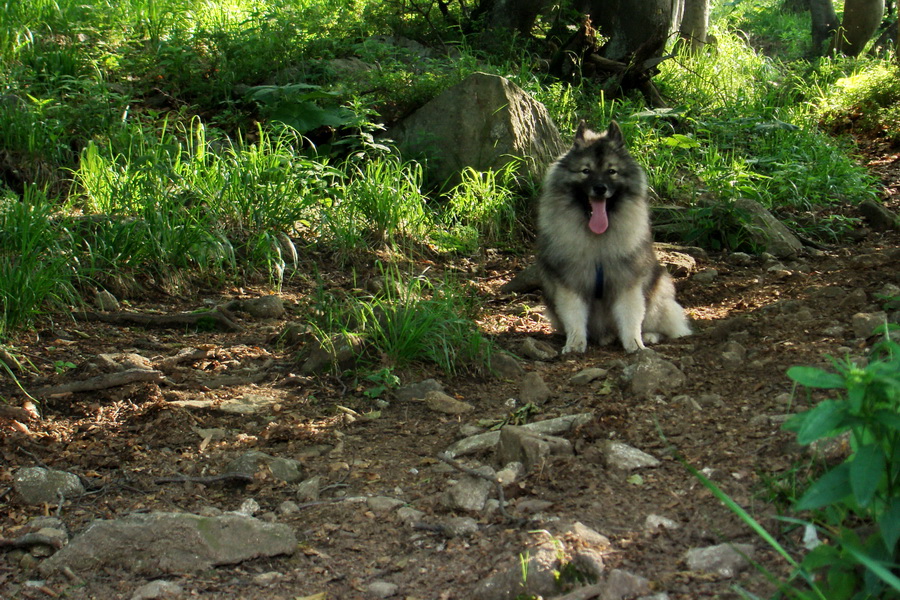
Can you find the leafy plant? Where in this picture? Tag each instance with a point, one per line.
(382, 380)
(856, 503)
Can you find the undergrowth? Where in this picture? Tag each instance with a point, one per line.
(166, 150)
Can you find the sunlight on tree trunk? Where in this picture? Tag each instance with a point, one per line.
(694, 24)
(861, 21)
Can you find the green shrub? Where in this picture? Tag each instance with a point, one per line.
(856, 505)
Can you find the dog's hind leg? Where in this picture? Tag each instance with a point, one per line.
(628, 313)
(572, 312)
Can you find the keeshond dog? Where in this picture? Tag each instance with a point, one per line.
(599, 273)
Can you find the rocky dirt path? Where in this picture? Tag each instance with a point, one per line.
(374, 511)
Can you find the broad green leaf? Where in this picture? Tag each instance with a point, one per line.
(876, 567)
(866, 472)
(889, 523)
(888, 418)
(816, 378)
(821, 556)
(816, 423)
(832, 487)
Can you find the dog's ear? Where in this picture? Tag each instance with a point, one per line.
(581, 133)
(614, 133)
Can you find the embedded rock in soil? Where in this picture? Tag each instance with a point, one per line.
(537, 350)
(527, 447)
(105, 301)
(159, 543)
(37, 485)
(533, 389)
(505, 366)
(542, 564)
(442, 403)
(725, 560)
(864, 324)
(470, 493)
(157, 590)
(624, 457)
(653, 374)
(417, 391)
(264, 307)
(250, 462)
(585, 376)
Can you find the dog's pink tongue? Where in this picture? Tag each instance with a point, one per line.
(599, 222)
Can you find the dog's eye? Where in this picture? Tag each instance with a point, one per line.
(586, 171)
(611, 172)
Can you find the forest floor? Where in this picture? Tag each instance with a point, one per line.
(725, 420)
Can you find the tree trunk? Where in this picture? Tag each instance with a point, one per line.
(630, 25)
(694, 24)
(861, 21)
(516, 15)
(824, 24)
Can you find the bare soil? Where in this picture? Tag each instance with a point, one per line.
(725, 420)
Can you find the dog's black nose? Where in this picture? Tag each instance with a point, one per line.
(599, 190)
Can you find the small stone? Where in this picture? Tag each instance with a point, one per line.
(308, 490)
(505, 366)
(588, 536)
(510, 473)
(741, 259)
(585, 376)
(417, 391)
(627, 458)
(538, 350)
(157, 590)
(105, 301)
(864, 324)
(460, 526)
(725, 560)
(250, 463)
(266, 579)
(705, 276)
(652, 374)
(383, 504)
(533, 389)
(521, 445)
(622, 584)
(288, 507)
(249, 507)
(654, 522)
(265, 307)
(442, 403)
(410, 516)
(470, 493)
(37, 485)
(382, 589)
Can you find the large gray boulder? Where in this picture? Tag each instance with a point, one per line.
(484, 122)
(160, 543)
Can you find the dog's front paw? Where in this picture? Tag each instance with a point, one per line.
(632, 344)
(651, 337)
(577, 343)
